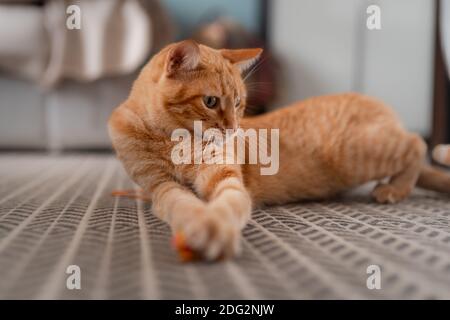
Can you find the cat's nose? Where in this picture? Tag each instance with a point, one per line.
(230, 124)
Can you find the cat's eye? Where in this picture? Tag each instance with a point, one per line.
(238, 102)
(210, 101)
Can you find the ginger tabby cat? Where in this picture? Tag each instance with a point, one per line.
(327, 144)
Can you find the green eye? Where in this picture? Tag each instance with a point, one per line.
(210, 101)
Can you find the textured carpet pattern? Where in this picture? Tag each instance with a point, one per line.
(58, 211)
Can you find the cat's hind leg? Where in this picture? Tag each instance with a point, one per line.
(401, 183)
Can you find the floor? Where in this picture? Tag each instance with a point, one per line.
(57, 211)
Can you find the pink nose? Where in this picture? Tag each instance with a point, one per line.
(227, 124)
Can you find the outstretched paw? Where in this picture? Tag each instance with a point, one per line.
(208, 236)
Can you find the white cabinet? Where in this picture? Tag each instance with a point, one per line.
(22, 115)
(325, 47)
(73, 116)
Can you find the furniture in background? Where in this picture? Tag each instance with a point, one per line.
(441, 101)
(59, 83)
(322, 47)
(73, 115)
(325, 47)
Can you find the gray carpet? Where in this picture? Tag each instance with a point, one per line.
(57, 211)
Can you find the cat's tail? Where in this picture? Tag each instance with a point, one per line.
(433, 178)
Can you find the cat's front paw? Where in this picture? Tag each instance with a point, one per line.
(212, 236)
(387, 193)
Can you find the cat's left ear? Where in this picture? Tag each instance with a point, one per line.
(183, 56)
(244, 59)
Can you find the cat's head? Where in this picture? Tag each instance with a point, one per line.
(196, 82)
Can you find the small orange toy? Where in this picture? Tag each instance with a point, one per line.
(184, 252)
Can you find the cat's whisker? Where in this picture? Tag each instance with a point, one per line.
(258, 83)
(254, 68)
(256, 90)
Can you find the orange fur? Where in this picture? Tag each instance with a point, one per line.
(441, 153)
(327, 145)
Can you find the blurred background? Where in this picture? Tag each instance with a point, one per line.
(58, 85)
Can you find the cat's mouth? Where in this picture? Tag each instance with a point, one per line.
(224, 130)
(211, 134)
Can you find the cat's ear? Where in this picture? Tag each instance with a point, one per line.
(244, 59)
(184, 56)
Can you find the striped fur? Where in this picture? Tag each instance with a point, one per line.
(327, 145)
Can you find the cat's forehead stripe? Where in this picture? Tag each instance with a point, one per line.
(228, 84)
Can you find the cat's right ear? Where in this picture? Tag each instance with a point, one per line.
(184, 56)
(244, 59)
